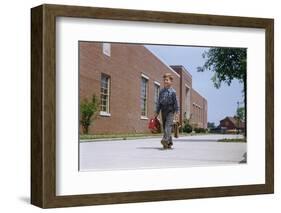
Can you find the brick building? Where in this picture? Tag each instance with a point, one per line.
(232, 123)
(127, 78)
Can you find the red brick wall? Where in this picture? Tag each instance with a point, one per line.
(205, 114)
(198, 110)
(125, 66)
(227, 123)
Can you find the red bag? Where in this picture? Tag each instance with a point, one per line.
(154, 125)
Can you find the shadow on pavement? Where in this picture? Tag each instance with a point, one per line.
(195, 140)
(157, 148)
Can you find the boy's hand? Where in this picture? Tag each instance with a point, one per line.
(176, 118)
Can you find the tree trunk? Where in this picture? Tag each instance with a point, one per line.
(85, 129)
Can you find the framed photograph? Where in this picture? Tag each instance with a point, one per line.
(138, 106)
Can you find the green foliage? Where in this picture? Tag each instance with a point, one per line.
(200, 130)
(227, 64)
(186, 126)
(233, 140)
(88, 110)
(241, 113)
(211, 125)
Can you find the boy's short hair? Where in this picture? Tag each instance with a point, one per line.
(168, 75)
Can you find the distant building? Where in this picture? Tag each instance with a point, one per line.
(232, 123)
(127, 79)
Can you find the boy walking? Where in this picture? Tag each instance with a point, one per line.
(168, 104)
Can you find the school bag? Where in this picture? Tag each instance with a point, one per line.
(154, 125)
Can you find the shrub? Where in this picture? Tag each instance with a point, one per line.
(200, 130)
(186, 126)
(88, 109)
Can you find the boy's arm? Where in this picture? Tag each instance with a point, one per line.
(176, 105)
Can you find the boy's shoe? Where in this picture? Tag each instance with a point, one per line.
(170, 144)
(165, 144)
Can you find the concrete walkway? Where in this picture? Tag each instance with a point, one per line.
(148, 153)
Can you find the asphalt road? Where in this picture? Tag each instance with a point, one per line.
(148, 153)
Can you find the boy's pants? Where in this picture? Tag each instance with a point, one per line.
(167, 119)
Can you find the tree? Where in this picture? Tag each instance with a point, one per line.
(211, 125)
(240, 113)
(227, 64)
(88, 111)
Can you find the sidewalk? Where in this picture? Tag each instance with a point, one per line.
(147, 153)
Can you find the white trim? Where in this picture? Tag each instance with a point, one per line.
(103, 113)
(160, 59)
(106, 48)
(197, 105)
(156, 82)
(145, 76)
(144, 117)
(187, 86)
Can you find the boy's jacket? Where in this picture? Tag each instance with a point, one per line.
(167, 100)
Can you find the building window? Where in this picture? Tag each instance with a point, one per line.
(106, 48)
(156, 94)
(144, 85)
(104, 93)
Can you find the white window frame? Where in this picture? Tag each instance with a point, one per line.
(196, 105)
(145, 76)
(156, 82)
(144, 117)
(146, 95)
(158, 85)
(106, 49)
(102, 113)
(106, 113)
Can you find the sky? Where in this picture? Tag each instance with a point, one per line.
(222, 102)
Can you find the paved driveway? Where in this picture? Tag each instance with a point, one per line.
(148, 153)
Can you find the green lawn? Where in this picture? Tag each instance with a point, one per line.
(101, 136)
(128, 135)
(239, 140)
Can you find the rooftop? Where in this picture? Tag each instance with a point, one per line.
(182, 67)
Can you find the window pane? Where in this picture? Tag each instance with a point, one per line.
(156, 95)
(106, 49)
(104, 95)
(143, 96)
